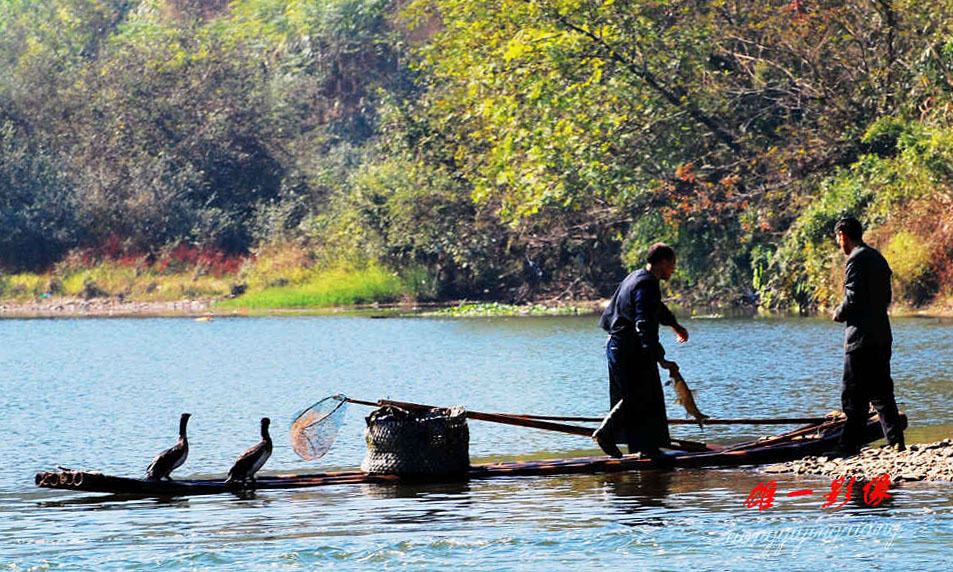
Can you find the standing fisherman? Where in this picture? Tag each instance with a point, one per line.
(867, 340)
(632, 320)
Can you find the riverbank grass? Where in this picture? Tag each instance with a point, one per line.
(324, 288)
(20, 287)
(111, 280)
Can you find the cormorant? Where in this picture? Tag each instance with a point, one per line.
(173, 457)
(251, 460)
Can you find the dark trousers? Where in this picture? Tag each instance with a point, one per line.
(641, 421)
(867, 381)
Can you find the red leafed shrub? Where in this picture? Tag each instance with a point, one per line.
(114, 249)
(183, 257)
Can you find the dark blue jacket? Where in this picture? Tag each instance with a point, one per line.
(635, 312)
(867, 294)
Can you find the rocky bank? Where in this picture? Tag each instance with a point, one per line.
(98, 307)
(920, 462)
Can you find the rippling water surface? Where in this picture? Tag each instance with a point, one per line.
(106, 395)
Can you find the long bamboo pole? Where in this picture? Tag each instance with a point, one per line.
(709, 421)
(501, 418)
(536, 423)
(485, 416)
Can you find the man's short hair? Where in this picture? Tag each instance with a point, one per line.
(659, 252)
(851, 228)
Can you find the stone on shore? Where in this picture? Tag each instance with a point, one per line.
(920, 462)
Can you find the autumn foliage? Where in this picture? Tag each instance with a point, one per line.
(500, 149)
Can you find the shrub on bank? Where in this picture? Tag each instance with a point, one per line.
(24, 286)
(129, 278)
(275, 265)
(277, 276)
(902, 195)
(910, 259)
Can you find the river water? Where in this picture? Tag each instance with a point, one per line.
(106, 395)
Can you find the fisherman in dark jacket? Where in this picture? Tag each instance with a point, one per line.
(867, 340)
(632, 319)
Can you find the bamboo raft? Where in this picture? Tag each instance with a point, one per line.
(810, 439)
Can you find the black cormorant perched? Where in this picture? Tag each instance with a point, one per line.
(173, 457)
(251, 460)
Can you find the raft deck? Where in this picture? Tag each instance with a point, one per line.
(808, 440)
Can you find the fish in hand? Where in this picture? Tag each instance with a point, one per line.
(685, 397)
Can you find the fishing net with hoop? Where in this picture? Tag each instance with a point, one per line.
(313, 430)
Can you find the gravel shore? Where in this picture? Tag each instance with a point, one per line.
(920, 462)
(78, 307)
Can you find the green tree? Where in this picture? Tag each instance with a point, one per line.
(720, 115)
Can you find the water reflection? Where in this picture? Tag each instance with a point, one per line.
(115, 501)
(638, 496)
(427, 492)
(868, 502)
(640, 489)
(429, 503)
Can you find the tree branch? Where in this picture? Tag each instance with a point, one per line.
(677, 97)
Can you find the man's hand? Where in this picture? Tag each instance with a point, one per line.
(838, 317)
(671, 366)
(681, 334)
